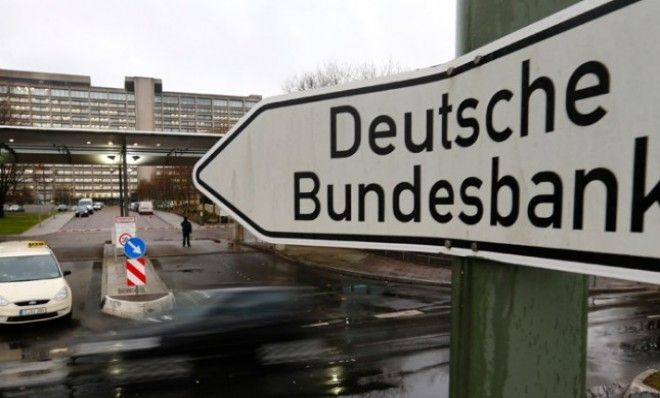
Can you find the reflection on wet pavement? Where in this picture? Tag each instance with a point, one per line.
(374, 338)
(623, 334)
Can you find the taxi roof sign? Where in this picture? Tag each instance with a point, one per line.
(36, 243)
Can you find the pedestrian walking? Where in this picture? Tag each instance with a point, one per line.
(186, 229)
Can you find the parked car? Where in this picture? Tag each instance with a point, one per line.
(146, 207)
(62, 207)
(98, 205)
(88, 203)
(82, 211)
(133, 206)
(164, 205)
(73, 208)
(15, 208)
(33, 284)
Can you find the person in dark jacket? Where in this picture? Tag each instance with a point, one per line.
(186, 229)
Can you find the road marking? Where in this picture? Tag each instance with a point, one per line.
(398, 314)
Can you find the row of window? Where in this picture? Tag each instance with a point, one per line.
(73, 101)
(207, 102)
(184, 111)
(65, 111)
(118, 119)
(66, 93)
(114, 96)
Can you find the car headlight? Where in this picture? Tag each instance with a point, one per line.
(62, 294)
(3, 302)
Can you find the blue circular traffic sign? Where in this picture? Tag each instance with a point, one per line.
(135, 247)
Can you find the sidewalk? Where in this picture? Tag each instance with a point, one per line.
(174, 219)
(364, 264)
(50, 225)
(198, 247)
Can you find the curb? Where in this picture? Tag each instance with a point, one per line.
(136, 310)
(382, 277)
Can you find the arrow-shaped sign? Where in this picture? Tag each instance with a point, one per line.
(542, 149)
(136, 249)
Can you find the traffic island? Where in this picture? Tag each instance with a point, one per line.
(132, 302)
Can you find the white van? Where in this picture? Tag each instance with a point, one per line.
(87, 202)
(146, 207)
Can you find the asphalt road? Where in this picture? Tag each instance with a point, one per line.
(373, 316)
(102, 220)
(394, 336)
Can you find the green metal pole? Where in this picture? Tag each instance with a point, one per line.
(516, 331)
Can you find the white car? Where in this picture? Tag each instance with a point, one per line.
(15, 208)
(88, 203)
(146, 207)
(32, 284)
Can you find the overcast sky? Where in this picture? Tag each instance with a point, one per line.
(232, 47)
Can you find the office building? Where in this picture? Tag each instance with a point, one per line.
(61, 100)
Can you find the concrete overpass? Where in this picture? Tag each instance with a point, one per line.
(94, 146)
(108, 147)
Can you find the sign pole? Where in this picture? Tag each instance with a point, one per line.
(516, 331)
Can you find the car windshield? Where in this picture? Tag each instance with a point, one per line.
(28, 268)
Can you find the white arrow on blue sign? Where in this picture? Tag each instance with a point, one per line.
(135, 247)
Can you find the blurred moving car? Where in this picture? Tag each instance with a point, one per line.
(98, 205)
(32, 284)
(82, 211)
(15, 208)
(62, 207)
(237, 328)
(146, 207)
(87, 202)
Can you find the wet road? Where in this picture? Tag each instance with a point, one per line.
(390, 339)
(623, 335)
(392, 336)
(102, 220)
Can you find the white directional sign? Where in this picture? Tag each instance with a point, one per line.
(542, 148)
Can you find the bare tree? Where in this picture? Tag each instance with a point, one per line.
(10, 172)
(173, 184)
(21, 196)
(62, 194)
(332, 73)
(10, 175)
(5, 112)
